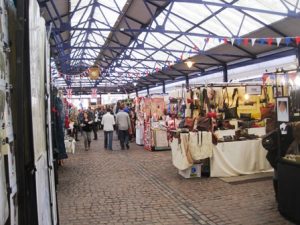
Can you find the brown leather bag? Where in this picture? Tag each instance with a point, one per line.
(204, 124)
(189, 123)
(266, 112)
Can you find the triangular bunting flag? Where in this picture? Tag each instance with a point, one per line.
(269, 41)
(253, 40)
(232, 41)
(246, 41)
(288, 40)
(225, 41)
(239, 41)
(297, 40)
(262, 41)
(278, 40)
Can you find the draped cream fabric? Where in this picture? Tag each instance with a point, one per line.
(179, 158)
(238, 158)
(184, 137)
(200, 145)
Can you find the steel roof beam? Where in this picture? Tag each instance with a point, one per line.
(157, 49)
(193, 27)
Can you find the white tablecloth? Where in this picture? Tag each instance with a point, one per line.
(238, 158)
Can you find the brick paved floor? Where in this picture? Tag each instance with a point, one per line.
(140, 187)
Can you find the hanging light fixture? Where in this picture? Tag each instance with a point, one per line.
(94, 72)
(134, 83)
(189, 63)
(118, 90)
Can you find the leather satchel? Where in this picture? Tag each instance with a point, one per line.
(266, 112)
(189, 123)
(231, 112)
(204, 124)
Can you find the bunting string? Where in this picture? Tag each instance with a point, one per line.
(217, 40)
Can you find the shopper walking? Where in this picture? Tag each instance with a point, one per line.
(108, 122)
(123, 123)
(86, 125)
(91, 114)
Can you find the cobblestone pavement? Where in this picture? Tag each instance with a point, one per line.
(137, 187)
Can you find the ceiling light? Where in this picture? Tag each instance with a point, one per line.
(134, 83)
(118, 90)
(189, 64)
(247, 97)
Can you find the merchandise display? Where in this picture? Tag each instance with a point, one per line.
(150, 112)
(236, 117)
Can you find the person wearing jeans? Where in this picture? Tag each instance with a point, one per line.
(123, 123)
(86, 125)
(108, 122)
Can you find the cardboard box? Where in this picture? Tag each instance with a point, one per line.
(192, 172)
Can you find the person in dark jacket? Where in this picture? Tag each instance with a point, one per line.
(86, 125)
(270, 143)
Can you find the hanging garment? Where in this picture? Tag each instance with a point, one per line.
(59, 141)
(179, 158)
(205, 141)
(195, 146)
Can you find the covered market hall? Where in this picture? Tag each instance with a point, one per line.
(149, 112)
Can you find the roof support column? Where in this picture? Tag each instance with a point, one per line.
(164, 87)
(187, 82)
(136, 93)
(298, 54)
(148, 90)
(225, 73)
(100, 99)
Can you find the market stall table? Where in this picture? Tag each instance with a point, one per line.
(238, 158)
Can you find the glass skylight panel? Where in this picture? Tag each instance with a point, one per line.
(249, 25)
(95, 15)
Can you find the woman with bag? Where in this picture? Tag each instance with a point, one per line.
(86, 125)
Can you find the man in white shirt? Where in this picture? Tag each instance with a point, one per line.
(108, 122)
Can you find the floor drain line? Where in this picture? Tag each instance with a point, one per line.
(186, 208)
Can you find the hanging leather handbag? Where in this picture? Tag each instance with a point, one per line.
(231, 112)
(181, 124)
(189, 123)
(225, 98)
(266, 111)
(204, 124)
